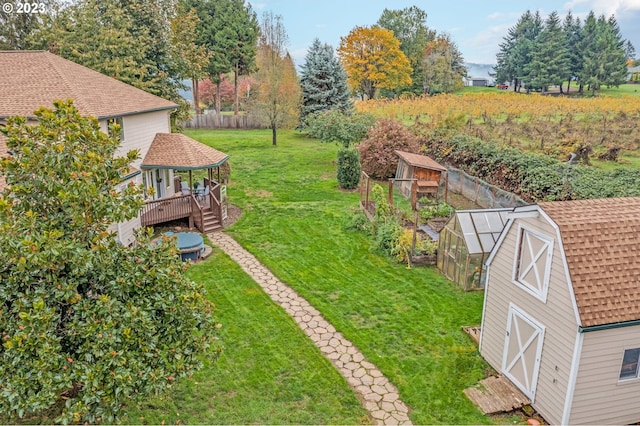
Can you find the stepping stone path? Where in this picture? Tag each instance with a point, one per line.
(379, 395)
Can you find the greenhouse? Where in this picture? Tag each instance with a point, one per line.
(465, 243)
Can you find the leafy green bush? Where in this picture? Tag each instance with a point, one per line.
(387, 234)
(359, 222)
(377, 151)
(335, 126)
(348, 165)
(87, 324)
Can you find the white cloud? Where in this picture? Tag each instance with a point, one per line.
(606, 7)
(483, 46)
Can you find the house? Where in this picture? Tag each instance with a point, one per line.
(418, 175)
(31, 79)
(561, 316)
(465, 243)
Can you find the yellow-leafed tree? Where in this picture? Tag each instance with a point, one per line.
(373, 59)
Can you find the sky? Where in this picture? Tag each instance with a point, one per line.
(476, 26)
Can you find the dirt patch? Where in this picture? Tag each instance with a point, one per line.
(260, 193)
(233, 214)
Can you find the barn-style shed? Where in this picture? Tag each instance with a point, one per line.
(420, 176)
(561, 316)
(465, 243)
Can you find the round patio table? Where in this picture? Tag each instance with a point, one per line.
(190, 244)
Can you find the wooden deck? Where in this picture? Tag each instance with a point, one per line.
(496, 395)
(205, 212)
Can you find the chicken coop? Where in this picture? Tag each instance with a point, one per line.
(419, 176)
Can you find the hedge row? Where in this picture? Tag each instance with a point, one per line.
(533, 177)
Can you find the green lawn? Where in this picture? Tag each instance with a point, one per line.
(268, 373)
(407, 322)
(623, 89)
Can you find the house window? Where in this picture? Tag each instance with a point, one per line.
(120, 123)
(533, 260)
(629, 369)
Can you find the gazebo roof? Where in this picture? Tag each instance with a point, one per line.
(421, 161)
(180, 152)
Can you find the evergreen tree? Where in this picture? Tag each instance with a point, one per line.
(324, 82)
(516, 50)
(228, 29)
(615, 60)
(239, 34)
(603, 52)
(409, 26)
(572, 28)
(525, 45)
(588, 51)
(630, 51)
(125, 39)
(549, 63)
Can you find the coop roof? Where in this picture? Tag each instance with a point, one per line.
(480, 228)
(601, 240)
(421, 161)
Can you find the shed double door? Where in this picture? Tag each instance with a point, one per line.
(522, 351)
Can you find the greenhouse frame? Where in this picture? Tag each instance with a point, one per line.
(465, 243)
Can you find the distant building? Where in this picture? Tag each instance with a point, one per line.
(478, 82)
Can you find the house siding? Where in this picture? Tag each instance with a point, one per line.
(556, 315)
(139, 131)
(599, 397)
(125, 230)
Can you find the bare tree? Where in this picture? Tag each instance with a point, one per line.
(276, 101)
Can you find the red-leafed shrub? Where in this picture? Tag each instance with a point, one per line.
(377, 151)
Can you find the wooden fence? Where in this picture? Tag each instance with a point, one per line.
(221, 121)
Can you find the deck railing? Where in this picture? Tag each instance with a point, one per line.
(166, 209)
(183, 206)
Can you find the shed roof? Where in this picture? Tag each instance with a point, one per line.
(418, 160)
(32, 79)
(481, 228)
(180, 152)
(601, 240)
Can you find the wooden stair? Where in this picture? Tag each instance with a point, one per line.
(210, 221)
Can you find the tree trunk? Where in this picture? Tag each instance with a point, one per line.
(569, 87)
(273, 134)
(235, 90)
(218, 85)
(196, 95)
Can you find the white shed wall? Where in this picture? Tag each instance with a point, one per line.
(557, 315)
